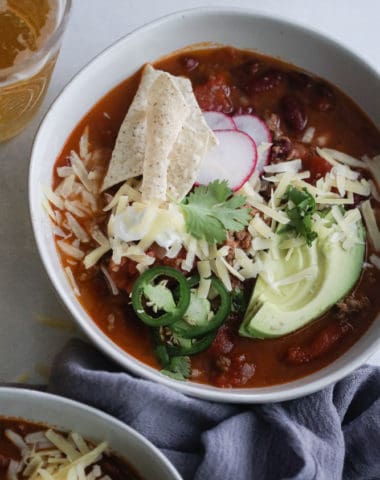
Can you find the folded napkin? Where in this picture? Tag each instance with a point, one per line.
(332, 434)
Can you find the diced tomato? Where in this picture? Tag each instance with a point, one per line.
(223, 343)
(125, 274)
(215, 94)
(159, 253)
(317, 166)
(238, 373)
(321, 344)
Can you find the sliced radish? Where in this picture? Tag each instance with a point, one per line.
(219, 121)
(234, 159)
(256, 128)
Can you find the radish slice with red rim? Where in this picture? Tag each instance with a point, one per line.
(258, 130)
(219, 121)
(234, 159)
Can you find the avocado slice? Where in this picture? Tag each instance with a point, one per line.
(280, 305)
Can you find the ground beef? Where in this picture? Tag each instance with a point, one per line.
(299, 150)
(350, 305)
(234, 371)
(244, 239)
(223, 363)
(4, 461)
(274, 124)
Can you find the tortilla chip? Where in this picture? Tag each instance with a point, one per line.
(164, 137)
(167, 111)
(194, 141)
(128, 154)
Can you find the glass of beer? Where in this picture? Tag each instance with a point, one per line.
(30, 37)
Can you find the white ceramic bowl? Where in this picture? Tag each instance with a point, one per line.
(240, 28)
(94, 425)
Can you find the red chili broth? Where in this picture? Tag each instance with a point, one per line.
(348, 129)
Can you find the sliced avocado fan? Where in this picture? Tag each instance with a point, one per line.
(290, 292)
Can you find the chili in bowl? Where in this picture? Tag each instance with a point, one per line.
(45, 436)
(213, 215)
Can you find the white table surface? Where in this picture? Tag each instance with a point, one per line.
(25, 292)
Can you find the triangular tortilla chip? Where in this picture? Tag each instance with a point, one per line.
(167, 111)
(194, 141)
(128, 154)
(169, 156)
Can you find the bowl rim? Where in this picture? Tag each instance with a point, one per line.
(43, 398)
(106, 345)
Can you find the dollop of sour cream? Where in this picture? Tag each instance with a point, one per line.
(149, 223)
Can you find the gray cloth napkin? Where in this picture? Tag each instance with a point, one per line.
(332, 434)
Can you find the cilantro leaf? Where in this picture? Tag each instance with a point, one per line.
(178, 368)
(212, 210)
(238, 300)
(300, 215)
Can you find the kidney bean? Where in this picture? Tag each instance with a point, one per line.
(249, 68)
(280, 150)
(190, 63)
(300, 80)
(294, 112)
(322, 343)
(223, 343)
(4, 461)
(266, 81)
(237, 372)
(215, 94)
(244, 73)
(323, 98)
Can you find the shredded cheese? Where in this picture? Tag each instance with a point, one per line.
(220, 270)
(53, 456)
(233, 271)
(323, 153)
(262, 243)
(125, 189)
(343, 158)
(94, 256)
(64, 172)
(257, 225)
(281, 167)
(308, 135)
(334, 200)
(70, 250)
(110, 282)
(374, 191)
(297, 277)
(271, 212)
(371, 224)
(76, 228)
(72, 281)
(373, 166)
(47, 207)
(53, 197)
(84, 145)
(66, 187)
(81, 172)
(75, 209)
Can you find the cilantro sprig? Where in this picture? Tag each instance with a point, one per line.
(300, 213)
(210, 211)
(178, 368)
